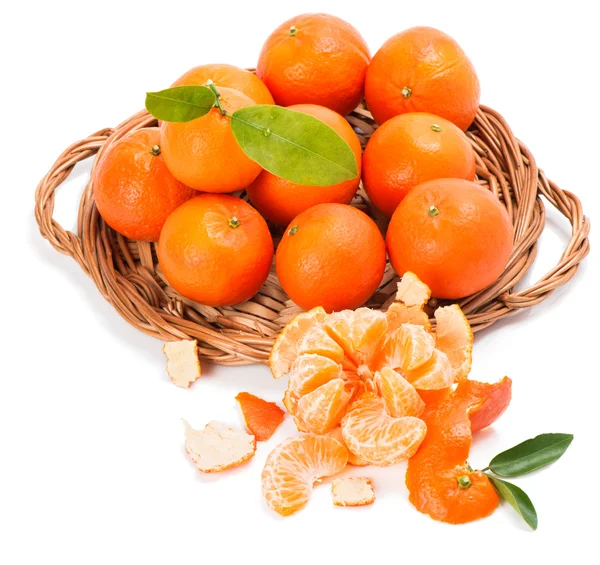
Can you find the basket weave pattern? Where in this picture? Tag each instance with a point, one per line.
(129, 277)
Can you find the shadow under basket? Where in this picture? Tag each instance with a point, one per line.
(129, 277)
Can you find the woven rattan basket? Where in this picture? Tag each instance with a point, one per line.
(129, 277)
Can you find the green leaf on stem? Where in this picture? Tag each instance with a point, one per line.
(530, 455)
(181, 103)
(518, 499)
(293, 145)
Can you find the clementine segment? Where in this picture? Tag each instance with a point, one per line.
(315, 59)
(433, 473)
(216, 250)
(133, 189)
(410, 149)
(228, 76)
(454, 234)
(203, 153)
(331, 255)
(262, 418)
(422, 70)
(280, 200)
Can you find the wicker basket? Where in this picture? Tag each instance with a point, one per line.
(128, 276)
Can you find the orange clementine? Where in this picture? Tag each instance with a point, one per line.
(331, 255)
(422, 70)
(410, 149)
(439, 480)
(203, 153)
(315, 59)
(262, 418)
(228, 76)
(133, 189)
(216, 250)
(280, 200)
(453, 234)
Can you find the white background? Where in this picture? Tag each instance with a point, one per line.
(92, 464)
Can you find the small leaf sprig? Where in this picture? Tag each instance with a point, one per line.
(289, 144)
(519, 460)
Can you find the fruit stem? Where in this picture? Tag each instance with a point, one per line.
(464, 482)
(435, 127)
(234, 222)
(433, 211)
(155, 150)
(217, 94)
(406, 91)
(293, 230)
(293, 30)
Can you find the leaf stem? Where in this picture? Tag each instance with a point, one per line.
(484, 470)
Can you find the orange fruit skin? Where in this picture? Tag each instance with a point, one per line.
(207, 260)
(335, 258)
(261, 417)
(228, 76)
(324, 62)
(432, 473)
(406, 151)
(462, 249)
(432, 65)
(280, 200)
(133, 189)
(204, 154)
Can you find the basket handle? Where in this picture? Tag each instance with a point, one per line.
(62, 240)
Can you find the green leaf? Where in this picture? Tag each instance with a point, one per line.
(293, 145)
(518, 499)
(530, 455)
(181, 103)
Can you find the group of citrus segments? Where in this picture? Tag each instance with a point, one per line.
(368, 387)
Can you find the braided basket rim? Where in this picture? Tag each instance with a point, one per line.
(127, 274)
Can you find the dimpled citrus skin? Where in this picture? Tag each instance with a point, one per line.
(324, 62)
(228, 76)
(210, 261)
(331, 255)
(280, 200)
(204, 154)
(133, 189)
(441, 78)
(460, 250)
(410, 149)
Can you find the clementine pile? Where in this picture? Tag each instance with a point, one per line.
(133, 189)
(280, 200)
(315, 59)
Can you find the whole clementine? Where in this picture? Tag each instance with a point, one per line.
(315, 59)
(133, 189)
(410, 149)
(228, 76)
(331, 255)
(453, 234)
(422, 70)
(204, 154)
(280, 200)
(215, 249)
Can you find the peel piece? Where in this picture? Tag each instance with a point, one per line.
(455, 338)
(412, 291)
(262, 418)
(218, 447)
(352, 491)
(183, 362)
(295, 465)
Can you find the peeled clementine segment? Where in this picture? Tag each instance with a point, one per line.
(433, 472)
(399, 396)
(322, 409)
(293, 467)
(436, 373)
(407, 348)
(352, 459)
(412, 291)
(455, 338)
(315, 340)
(285, 349)
(360, 333)
(310, 371)
(399, 314)
(378, 438)
(262, 418)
